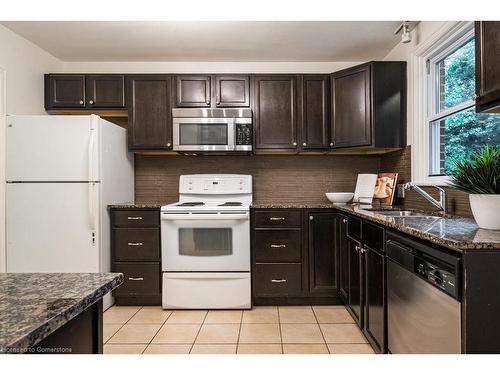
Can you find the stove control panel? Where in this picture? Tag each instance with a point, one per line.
(215, 184)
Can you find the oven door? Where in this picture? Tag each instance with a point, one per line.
(205, 241)
(204, 134)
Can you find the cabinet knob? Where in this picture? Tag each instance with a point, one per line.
(344, 221)
(207, 101)
(81, 101)
(169, 144)
(311, 217)
(357, 248)
(294, 143)
(91, 102)
(331, 144)
(304, 144)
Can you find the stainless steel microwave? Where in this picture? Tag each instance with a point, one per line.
(212, 130)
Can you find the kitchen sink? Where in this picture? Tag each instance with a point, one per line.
(402, 213)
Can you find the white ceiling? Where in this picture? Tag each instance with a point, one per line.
(211, 41)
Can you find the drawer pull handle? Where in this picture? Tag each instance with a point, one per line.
(276, 218)
(278, 280)
(135, 244)
(134, 217)
(278, 245)
(136, 278)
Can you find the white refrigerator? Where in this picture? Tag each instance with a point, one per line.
(61, 174)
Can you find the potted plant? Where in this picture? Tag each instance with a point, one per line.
(479, 175)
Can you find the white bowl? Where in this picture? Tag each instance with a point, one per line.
(339, 198)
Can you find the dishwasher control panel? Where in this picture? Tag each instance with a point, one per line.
(436, 274)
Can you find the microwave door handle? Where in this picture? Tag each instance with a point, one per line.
(231, 133)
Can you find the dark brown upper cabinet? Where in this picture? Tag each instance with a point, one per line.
(369, 106)
(80, 91)
(149, 105)
(315, 112)
(487, 66)
(322, 257)
(193, 90)
(105, 91)
(232, 91)
(275, 112)
(64, 91)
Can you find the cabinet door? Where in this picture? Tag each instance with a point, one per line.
(321, 237)
(193, 91)
(64, 91)
(105, 91)
(315, 119)
(149, 104)
(487, 64)
(275, 112)
(232, 91)
(351, 108)
(355, 302)
(374, 319)
(343, 258)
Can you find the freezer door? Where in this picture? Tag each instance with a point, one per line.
(52, 227)
(52, 148)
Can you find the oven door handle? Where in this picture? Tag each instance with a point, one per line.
(210, 216)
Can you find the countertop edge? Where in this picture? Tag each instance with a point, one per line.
(38, 334)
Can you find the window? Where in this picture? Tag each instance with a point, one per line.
(454, 129)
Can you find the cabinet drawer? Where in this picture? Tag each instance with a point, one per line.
(139, 278)
(137, 244)
(373, 236)
(137, 218)
(277, 245)
(354, 227)
(277, 280)
(277, 219)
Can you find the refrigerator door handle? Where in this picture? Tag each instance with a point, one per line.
(92, 206)
(91, 154)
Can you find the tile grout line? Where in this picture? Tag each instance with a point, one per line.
(319, 326)
(161, 326)
(197, 333)
(239, 331)
(281, 335)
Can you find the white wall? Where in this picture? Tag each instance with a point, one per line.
(22, 65)
(403, 52)
(204, 67)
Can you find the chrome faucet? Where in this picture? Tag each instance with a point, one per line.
(441, 204)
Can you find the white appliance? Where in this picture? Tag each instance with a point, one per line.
(61, 173)
(206, 243)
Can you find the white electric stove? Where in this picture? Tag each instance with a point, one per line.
(206, 243)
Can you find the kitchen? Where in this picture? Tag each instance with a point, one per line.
(178, 201)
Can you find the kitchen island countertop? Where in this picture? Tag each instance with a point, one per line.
(34, 305)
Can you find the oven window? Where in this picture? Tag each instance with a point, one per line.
(205, 241)
(203, 134)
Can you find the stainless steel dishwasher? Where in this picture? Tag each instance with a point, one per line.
(423, 298)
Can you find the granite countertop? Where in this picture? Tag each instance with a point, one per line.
(132, 205)
(33, 305)
(454, 232)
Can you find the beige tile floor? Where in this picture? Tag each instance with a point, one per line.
(262, 330)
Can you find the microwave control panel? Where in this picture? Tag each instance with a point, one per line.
(244, 134)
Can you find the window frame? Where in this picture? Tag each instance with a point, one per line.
(424, 75)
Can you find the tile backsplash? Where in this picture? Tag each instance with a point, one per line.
(277, 179)
(283, 179)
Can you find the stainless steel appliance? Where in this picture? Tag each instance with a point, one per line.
(423, 298)
(212, 130)
(206, 243)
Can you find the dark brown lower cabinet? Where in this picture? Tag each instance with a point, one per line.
(322, 257)
(343, 258)
(355, 302)
(374, 299)
(136, 252)
(294, 256)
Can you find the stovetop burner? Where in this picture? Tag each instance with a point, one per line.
(191, 204)
(231, 204)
